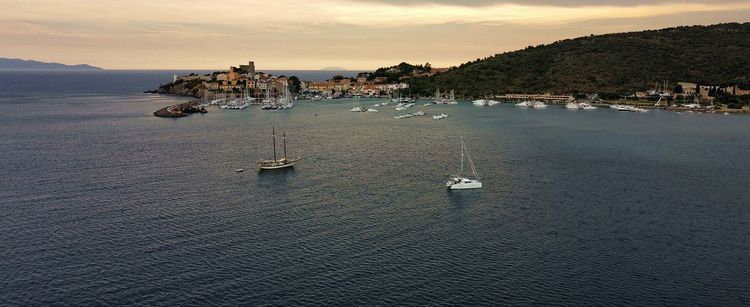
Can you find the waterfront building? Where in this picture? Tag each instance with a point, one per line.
(250, 83)
(211, 85)
(262, 85)
(736, 91)
(233, 74)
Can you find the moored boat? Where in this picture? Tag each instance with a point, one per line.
(460, 182)
(277, 163)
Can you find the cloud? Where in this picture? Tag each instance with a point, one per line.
(503, 14)
(551, 3)
(306, 34)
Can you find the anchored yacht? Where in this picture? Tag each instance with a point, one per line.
(460, 182)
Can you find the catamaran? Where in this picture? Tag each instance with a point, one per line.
(277, 163)
(460, 182)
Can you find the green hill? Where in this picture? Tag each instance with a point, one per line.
(613, 63)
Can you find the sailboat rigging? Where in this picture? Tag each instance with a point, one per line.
(460, 182)
(277, 163)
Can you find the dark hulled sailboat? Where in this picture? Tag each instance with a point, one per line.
(277, 163)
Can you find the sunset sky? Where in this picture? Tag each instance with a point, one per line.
(354, 34)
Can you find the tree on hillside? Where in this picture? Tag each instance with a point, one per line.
(712, 91)
(678, 89)
(294, 84)
(613, 63)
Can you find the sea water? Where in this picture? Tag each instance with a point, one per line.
(103, 203)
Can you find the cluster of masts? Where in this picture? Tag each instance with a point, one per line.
(438, 99)
(285, 101)
(227, 103)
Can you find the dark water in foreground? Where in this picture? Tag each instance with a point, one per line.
(102, 203)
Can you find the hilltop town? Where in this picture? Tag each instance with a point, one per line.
(244, 80)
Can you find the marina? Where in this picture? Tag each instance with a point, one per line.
(286, 101)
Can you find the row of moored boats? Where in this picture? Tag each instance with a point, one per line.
(627, 108)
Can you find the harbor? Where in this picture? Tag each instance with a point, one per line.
(242, 86)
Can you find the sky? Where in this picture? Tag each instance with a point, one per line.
(353, 34)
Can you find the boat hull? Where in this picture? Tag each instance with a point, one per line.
(458, 183)
(466, 186)
(266, 165)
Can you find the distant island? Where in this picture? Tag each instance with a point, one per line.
(334, 68)
(19, 64)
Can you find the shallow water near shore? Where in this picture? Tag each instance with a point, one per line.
(103, 203)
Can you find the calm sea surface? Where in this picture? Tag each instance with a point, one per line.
(102, 203)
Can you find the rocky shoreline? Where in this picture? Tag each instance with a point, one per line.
(180, 110)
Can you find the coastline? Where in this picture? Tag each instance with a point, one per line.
(180, 110)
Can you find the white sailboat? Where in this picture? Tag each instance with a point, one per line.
(268, 102)
(486, 103)
(452, 98)
(286, 102)
(356, 107)
(438, 97)
(586, 106)
(277, 163)
(460, 182)
(525, 104)
(538, 105)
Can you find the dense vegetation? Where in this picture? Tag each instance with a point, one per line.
(610, 64)
(399, 72)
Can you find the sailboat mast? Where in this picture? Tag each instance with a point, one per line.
(462, 156)
(274, 143)
(284, 137)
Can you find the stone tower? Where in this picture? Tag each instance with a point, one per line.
(249, 68)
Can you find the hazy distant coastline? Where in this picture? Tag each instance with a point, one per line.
(19, 64)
